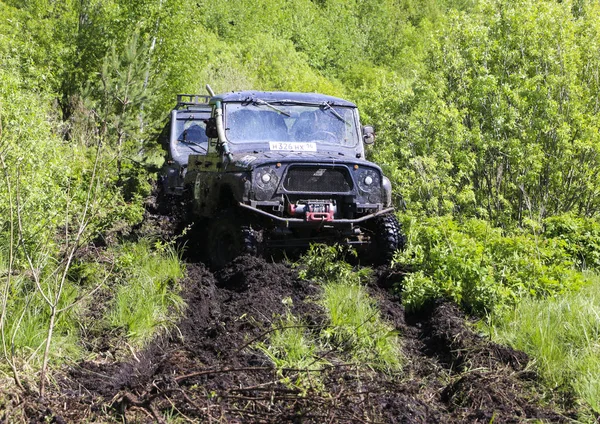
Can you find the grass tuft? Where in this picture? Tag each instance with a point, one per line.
(356, 326)
(147, 299)
(26, 323)
(295, 353)
(563, 335)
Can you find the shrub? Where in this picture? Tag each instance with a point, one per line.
(481, 267)
(581, 237)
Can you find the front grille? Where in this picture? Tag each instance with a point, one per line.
(317, 179)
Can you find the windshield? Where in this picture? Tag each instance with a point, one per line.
(260, 121)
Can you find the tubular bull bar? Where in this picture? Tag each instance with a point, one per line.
(300, 221)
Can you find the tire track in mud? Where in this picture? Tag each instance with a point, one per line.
(207, 371)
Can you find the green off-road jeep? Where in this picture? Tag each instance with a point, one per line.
(272, 171)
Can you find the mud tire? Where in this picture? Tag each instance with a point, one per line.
(228, 238)
(387, 238)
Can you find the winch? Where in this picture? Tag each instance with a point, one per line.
(313, 210)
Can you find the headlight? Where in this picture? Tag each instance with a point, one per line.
(265, 183)
(369, 180)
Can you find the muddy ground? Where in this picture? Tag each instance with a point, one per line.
(207, 370)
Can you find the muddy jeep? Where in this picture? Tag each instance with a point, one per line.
(275, 171)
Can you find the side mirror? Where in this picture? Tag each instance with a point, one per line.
(368, 134)
(211, 128)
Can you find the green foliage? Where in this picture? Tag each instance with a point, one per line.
(501, 123)
(294, 352)
(355, 323)
(483, 109)
(481, 267)
(147, 298)
(562, 334)
(580, 236)
(117, 102)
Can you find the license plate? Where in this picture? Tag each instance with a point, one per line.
(293, 146)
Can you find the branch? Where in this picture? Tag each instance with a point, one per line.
(221, 371)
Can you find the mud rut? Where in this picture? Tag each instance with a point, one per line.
(207, 371)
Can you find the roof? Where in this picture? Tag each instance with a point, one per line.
(281, 96)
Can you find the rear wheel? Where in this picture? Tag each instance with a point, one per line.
(228, 238)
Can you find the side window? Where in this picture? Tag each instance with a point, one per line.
(191, 137)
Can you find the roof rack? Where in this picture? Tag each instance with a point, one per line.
(192, 100)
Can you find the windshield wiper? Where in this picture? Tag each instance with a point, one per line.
(195, 143)
(335, 112)
(262, 102)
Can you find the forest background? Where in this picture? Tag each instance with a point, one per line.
(487, 123)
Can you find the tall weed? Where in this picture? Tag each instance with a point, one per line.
(147, 298)
(562, 333)
(356, 326)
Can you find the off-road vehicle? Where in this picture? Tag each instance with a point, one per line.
(269, 171)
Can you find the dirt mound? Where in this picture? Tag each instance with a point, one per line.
(449, 338)
(208, 368)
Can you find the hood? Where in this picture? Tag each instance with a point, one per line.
(250, 160)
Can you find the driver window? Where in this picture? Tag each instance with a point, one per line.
(192, 137)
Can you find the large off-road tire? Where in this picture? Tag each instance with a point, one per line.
(228, 239)
(387, 238)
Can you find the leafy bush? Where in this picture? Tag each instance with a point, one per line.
(326, 263)
(480, 267)
(581, 237)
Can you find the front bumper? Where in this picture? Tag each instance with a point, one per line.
(289, 222)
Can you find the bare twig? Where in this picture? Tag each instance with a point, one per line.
(146, 404)
(220, 371)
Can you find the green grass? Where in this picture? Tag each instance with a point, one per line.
(27, 320)
(355, 323)
(295, 353)
(354, 331)
(562, 335)
(147, 298)
(356, 326)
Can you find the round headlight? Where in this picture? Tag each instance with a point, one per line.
(265, 183)
(369, 180)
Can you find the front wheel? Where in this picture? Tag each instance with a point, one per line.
(387, 238)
